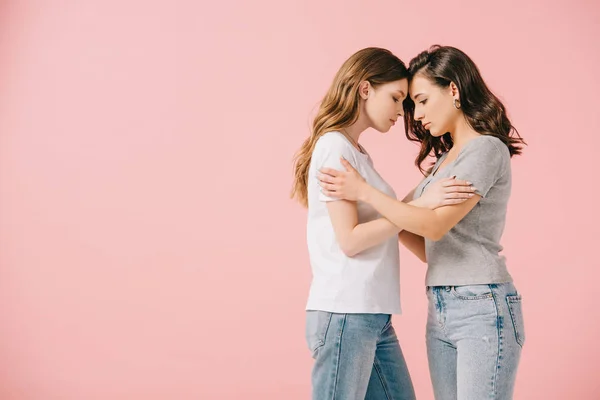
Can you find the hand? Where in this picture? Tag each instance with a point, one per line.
(347, 185)
(446, 192)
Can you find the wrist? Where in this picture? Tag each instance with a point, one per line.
(365, 192)
(422, 203)
(416, 202)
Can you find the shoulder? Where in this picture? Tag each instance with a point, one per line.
(333, 141)
(492, 143)
(488, 147)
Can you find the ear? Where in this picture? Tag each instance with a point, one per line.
(364, 89)
(454, 91)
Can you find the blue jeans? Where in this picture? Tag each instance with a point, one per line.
(474, 338)
(357, 356)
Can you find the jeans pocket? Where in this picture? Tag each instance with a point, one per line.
(516, 314)
(472, 292)
(317, 324)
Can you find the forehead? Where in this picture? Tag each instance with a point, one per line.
(420, 84)
(398, 86)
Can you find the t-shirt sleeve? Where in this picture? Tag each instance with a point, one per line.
(482, 163)
(327, 154)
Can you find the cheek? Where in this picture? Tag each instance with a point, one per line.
(439, 111)
(391, 108)
(379, 109)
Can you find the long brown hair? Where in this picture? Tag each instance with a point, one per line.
(484, 112)
(340, 106)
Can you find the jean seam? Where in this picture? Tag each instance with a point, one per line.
(387, 325)
(467, 298)
(442, 314)
(509, 302)
(339, 350)
(322, 335)
(381, 378)
(499, 327)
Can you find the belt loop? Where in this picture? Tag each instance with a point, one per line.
(448, 288)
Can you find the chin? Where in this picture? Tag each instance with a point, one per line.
(384, 129)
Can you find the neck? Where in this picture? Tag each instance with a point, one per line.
(462, 133)
(355, 130)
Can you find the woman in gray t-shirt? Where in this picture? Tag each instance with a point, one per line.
(475, 329)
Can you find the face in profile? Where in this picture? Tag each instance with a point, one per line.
(434, 105)
(383, 105)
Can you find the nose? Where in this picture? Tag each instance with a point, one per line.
(419, 115)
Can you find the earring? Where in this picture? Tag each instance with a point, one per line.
(456, 104)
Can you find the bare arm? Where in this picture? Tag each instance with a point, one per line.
(432, 224)
(414, 243)
(353, 237)
(445, 192)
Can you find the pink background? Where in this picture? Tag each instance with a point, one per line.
(148, 249)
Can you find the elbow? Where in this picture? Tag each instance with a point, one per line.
(434, 234)
(349, 248)
(432, 227)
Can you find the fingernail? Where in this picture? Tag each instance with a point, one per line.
(469, 183)
(470, 194)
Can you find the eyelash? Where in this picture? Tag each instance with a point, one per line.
(395, 99)
(423, 101)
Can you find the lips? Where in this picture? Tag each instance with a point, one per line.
(427, 125)
(393, 121)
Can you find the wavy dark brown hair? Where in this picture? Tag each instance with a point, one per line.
(484, 112)
(340, 106)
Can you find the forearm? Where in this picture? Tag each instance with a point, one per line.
(410, 217)
(409, 197)
(414, 243)
(367, 235)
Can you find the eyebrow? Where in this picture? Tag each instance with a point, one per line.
(401, 93)
(419, 94)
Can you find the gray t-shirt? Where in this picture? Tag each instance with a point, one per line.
(469, 253)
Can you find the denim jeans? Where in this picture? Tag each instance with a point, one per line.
(474, 338)
(357, 356)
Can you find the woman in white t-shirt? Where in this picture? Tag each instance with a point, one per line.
(353, 250)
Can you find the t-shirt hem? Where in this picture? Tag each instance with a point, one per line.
(353, 309)
(475, 281)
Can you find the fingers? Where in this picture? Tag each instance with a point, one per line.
(329, 171)
(458, 195)
(325, 178)
(457, 185)
(331, 194)
(329, 190)
(327, 187)
(346, 164)
(451, 202)
(460, 189)
(455, 182)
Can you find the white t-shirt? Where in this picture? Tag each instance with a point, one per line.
(369, 282)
